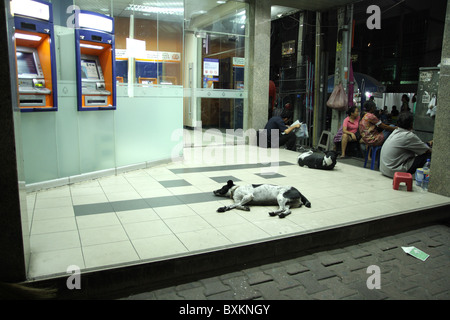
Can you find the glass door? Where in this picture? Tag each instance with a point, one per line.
(215, 46)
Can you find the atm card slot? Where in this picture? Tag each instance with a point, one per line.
(32, 100)
(95, 101)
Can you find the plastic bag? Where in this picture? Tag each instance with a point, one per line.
(302, 132)
(338, 99)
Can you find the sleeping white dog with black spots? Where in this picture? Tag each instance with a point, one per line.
(285, 197)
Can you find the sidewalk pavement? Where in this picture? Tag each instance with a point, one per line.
(336, 274)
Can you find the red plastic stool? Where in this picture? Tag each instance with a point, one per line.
(403, 177)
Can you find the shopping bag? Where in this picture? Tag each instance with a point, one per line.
(338, 99)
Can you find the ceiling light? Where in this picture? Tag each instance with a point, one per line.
(221, 1)
(91, 46)
(152, 9)
(28, 37)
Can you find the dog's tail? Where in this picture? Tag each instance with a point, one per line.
(305, 201)
(293, 194)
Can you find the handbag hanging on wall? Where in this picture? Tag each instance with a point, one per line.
(338, 99)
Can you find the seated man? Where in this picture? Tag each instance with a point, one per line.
(403, 151)
(286, 134)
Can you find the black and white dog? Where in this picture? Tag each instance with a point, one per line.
(262, 194)
(318, 160)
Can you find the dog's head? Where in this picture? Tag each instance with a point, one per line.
(329, 160)
(225, 191)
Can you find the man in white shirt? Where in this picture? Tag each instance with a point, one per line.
(403, 151)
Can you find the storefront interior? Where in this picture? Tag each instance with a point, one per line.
(125, 176)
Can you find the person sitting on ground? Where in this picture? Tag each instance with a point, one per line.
(350, 129)
(373, 131)
(403, 151)
(286, 134)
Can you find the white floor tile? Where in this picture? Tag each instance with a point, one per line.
(279, 227)
(53, 225)
(109, 254)
(206, 208)
(120, 196)
(314, 220)
(220, 219)
(146, 229)
(174, 211)
(158, 246)
(203, 239)
(53, 213)
(154, 192)
(93, 236)
(243, 233)
(54, 241)
(186, 224)
(52, 262)
(86, 191)
(53, 202)
(141, 215)
(89, 199)
(184, 190)
(118, 188)
(97, 220)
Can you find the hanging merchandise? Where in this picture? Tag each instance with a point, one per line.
(338, 99)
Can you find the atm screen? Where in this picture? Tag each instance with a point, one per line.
(89, 69)
(26, 63)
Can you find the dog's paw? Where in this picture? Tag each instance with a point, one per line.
(246, 208)
(308, 204)
(273, 214)
(222, 209)
(282, 215)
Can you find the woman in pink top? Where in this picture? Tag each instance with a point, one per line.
(350, 128)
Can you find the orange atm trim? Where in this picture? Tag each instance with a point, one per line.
(44, 53)
(105, 58)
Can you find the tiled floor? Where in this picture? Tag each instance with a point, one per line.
(170, 210)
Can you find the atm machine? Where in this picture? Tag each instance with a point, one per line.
(95, 61)
(35, 53)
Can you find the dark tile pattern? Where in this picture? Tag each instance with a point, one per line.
(174, 183)
(155, 202)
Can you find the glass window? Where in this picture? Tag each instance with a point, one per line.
(218, 35)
